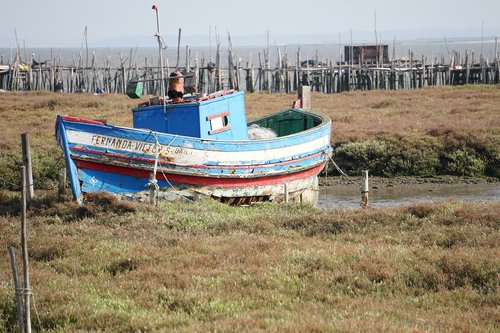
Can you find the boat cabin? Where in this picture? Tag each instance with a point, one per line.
(218, 116)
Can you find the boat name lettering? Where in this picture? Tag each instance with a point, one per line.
(100, 140)
(175, 151)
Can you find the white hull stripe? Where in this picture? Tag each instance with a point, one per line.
(190, 156)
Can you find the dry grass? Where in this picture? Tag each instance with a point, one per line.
(210, 267)
(355, 114)
(35, 113)
(374, 114)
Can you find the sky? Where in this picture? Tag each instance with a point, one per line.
(61, 23)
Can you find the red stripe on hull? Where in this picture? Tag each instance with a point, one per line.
(82, 120)
(204, 181)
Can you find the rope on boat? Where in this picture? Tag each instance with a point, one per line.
(51, 169)
(342, 172)
(153, 181)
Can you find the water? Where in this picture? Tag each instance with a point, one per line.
(350, 197)
(430, 48)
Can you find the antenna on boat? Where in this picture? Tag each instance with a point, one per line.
(161, 46)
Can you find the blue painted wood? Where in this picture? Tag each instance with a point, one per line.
(62, 139)
(192, 119)
(111, 147)
(95, 180)
(209, 145)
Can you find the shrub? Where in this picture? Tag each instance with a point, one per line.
(10, 171)
(46, 165)
(45, 168)
(446, 153)
(462, 163)
(416, 156)
(121, 266)
(367, 155)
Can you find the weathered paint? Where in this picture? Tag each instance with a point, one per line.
(62, 139)
(142, 176)
(120, 160)
(238, 153)
(133, 185)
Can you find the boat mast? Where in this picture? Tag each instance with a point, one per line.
(161, 46)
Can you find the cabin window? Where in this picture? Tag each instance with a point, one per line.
(219, 122)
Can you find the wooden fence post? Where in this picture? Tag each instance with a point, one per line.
(25, 145)
(24, 245)
(15, 278)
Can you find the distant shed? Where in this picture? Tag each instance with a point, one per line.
(367, 54)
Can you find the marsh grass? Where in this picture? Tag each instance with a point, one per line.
(211, 267)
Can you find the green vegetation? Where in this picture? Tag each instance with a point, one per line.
(120, 266)
(444, 131)
(426, 156)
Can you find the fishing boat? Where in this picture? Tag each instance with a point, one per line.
(192, 145)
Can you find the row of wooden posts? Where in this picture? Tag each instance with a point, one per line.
(323, 75)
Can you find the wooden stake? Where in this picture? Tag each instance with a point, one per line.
(305, 97)
(27, 168)
(153, 190)
(365, 189)
(62, 182)
(24, 245)
(15, 278)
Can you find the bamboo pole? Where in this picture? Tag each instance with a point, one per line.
(278, 76)
(230, 61)
(15, 278)
(495, 80)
